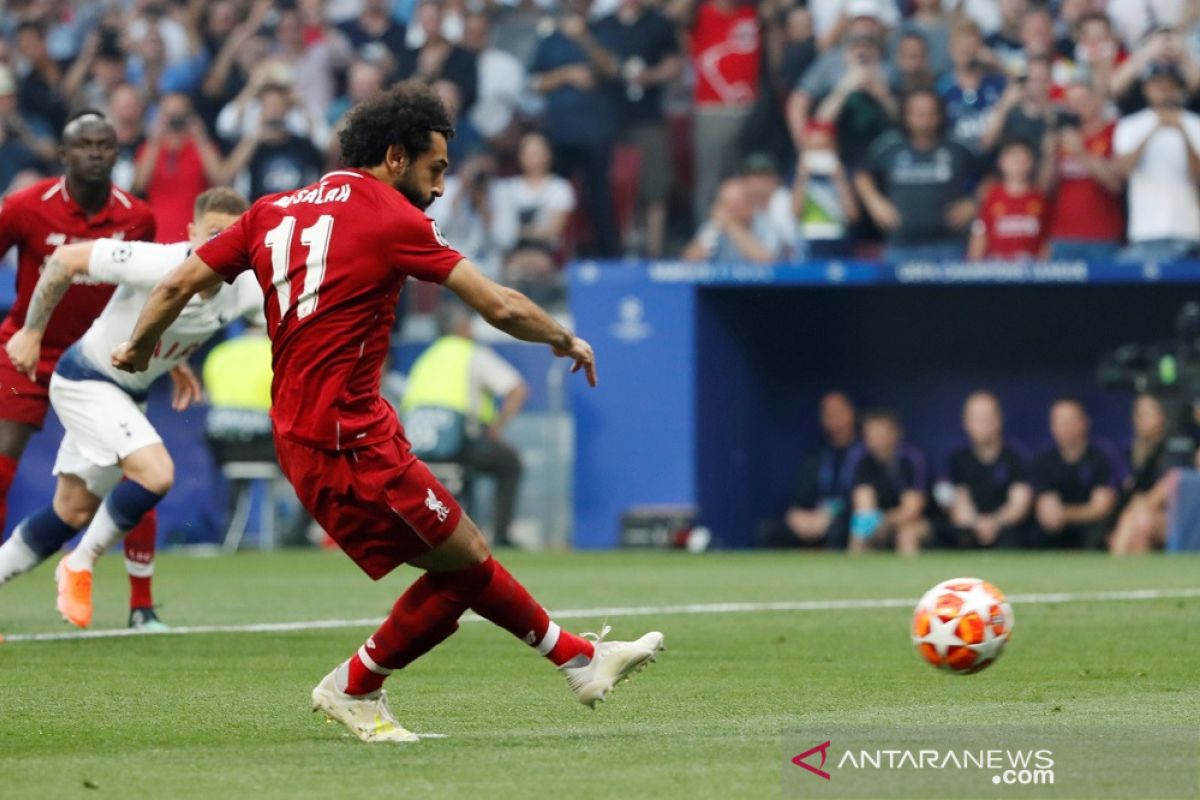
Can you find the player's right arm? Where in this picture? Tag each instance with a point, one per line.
(25, 347)
(512, 312)
(163, 306)
(221, 258)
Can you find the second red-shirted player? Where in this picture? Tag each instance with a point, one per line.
(79, 206)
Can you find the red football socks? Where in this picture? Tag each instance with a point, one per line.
(139, 561)
(505, 602)
(8, 471)
(427, 613)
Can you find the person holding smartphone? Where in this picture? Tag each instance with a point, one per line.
(274, 157)
(1079, 171)
(1158, 153)
(176, 163)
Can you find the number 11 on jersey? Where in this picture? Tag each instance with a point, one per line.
(279, 241)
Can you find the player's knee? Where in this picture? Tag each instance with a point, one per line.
(159, 480)
(75, 514)
(76, 517)
(152, 468)
(74, 504)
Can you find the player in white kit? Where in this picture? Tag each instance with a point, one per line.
(112, 466)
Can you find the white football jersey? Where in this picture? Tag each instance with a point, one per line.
(136, 267)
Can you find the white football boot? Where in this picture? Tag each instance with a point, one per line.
(366, 716)
(612, 663)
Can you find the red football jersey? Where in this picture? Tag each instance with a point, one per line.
(331, 259)
(40, 218)
(1103, 219)
(725, 55)
(1015, 224)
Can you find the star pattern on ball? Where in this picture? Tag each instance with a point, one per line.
(979, 598)
(942, 635)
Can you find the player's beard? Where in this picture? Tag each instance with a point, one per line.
(408, 187)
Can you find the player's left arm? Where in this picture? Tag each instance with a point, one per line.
(512, 312)
(162, 308)
(25, 347)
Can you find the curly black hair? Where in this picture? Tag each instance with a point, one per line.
(404, 115)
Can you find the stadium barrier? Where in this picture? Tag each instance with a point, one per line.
(710, 374)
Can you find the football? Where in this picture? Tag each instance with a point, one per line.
(961, 625)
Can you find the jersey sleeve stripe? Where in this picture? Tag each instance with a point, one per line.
(53, 190)
(121, 198)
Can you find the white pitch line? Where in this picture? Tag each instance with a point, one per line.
(615, 611)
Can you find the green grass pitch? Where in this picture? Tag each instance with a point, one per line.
(226, 715)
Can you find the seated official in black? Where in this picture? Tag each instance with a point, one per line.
(1074, 483)
(991, 498)
(890, 490)
(992, 495)
(819, 515)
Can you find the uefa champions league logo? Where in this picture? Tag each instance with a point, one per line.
(631, 325)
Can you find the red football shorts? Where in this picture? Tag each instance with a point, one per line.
(379, 502)
(22, 400)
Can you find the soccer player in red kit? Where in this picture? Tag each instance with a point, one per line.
(79, 206)
(332, 259)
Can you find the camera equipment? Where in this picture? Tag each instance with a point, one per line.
(1170, 372)
(109, 45)
(1066, 119)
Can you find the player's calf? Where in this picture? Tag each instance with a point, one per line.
(121, 511)
(35, 539)
(140, 544)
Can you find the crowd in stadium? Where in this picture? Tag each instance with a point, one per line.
(869, 488)
(924, 128)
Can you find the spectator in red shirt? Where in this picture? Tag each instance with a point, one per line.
(175, 165)
(1012, 219)
(1080, 175)
(725, 58)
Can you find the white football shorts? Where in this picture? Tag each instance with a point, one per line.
(103, 425)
